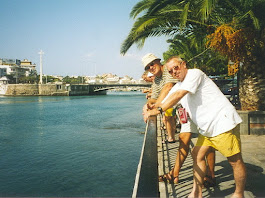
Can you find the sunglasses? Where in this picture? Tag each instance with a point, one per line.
(149, 65)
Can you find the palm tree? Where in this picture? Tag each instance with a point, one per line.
(160, 18)
(196, 54)
(241, 38)
(204, 17)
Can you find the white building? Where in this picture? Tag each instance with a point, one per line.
(113, 80)
(126, 80)
(16, 67)
(93, 80)
(28, 65)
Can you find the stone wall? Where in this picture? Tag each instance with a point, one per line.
(22, 90)
(253, 123)
(36, 90)
(50, 90)
(53, 90)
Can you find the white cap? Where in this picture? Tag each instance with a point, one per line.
(148, 58)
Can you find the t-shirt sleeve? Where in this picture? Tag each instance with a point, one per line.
(173, 90)
(192, 80)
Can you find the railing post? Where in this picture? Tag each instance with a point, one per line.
(146, 181)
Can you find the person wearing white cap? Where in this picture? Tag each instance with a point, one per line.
(161, 86)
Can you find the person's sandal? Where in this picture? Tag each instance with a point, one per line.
(168, 178)
(209, 181)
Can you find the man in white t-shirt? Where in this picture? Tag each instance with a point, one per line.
(215, 117)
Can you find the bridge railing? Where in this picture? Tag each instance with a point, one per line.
(146, 180)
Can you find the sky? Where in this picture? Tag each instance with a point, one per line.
(78, 37)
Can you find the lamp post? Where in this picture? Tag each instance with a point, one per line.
(41, 53)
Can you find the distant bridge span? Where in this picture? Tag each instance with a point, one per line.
(95, 89)
(103, 87)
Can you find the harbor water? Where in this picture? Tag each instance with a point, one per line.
(82, 146)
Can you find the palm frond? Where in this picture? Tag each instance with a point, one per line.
(254, 19)
(206, 7)
(140, 7)
(184, 15)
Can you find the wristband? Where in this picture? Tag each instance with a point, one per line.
(160, 109)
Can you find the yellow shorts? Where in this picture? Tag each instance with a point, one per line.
(170, 112)
(228, 144)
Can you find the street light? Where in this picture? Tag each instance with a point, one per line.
(41, 53)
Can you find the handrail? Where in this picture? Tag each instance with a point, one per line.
(146, 180)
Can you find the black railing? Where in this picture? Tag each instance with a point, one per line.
(146, 180)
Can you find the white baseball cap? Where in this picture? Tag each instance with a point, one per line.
(148, 58)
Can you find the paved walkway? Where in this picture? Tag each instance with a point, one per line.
(253, 149)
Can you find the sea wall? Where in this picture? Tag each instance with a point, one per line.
(53, 90)
(79, 90)
(22, 89)
(36, 90)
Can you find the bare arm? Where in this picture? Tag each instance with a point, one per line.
(152, 103)
(173, 99)
(170, 102)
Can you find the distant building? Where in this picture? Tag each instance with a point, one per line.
(93, 80)
(127, 80)
(16, 67)
(28, 65)
(113, 80)
(57, 77)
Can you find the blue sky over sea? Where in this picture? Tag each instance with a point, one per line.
(78, 37)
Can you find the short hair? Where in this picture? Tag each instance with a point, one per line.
(179, 59)
(175, 57)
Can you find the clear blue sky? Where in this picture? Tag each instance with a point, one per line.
(78, 37)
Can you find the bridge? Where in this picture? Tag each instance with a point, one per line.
(102, 87)
(99, 89)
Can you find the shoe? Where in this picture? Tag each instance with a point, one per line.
(209, 181)
(168, 178)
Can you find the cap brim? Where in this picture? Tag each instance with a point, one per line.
(145, 68)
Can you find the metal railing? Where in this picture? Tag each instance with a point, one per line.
(146, 182)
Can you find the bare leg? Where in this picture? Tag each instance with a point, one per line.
(184, 143)
(199, 167)
(210, 157)
(239, 171)
(209, 180)
(171, 127)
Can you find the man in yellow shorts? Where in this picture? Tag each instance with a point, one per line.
(215, 117)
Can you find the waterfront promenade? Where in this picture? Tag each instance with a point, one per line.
(253, 150)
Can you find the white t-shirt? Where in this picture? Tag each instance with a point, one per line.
(207, 106)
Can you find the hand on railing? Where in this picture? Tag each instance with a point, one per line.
(149, 113)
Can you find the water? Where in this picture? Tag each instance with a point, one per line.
(85, 146)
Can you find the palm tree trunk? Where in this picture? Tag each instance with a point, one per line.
(252, 86)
